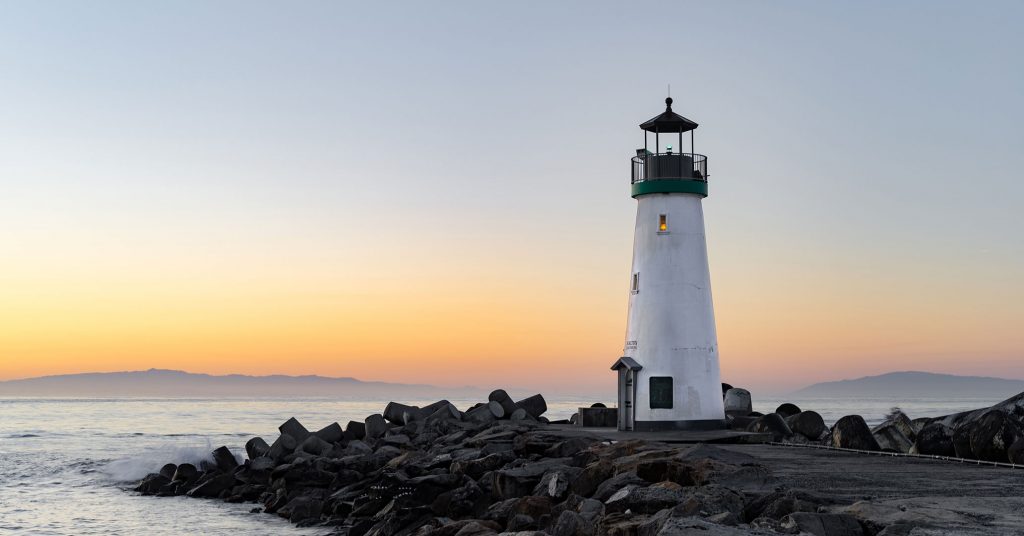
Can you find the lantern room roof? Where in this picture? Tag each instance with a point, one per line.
(668, 121)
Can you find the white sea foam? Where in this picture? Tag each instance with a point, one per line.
(134, 468)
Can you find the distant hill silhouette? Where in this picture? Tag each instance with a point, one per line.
(176, 383)
(916, 384)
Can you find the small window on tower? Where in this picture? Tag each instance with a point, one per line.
(663, 223)
(661, 392)
(634, 286)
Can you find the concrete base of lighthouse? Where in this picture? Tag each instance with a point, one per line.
(669, 376)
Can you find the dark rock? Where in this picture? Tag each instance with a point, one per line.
(773, 424)
(851, 432)
(212, 486)
(520, 414)
(708, 500)
(592, 476)
(224, 459)
(355, 430)
(902, 423)
(992, 435)
(153, 483)
(740, 423)
(534, 405)
(646, 500)
(314, 445)
(486, 413)
(570, 447)
(294, 428)
(787, 410)
(397, 413)
(283, 446)
(256, 447)
(935, 439)
(738, 403)
(1015, 453)
(332, 433)
(612, 485)
(962, 441)
(501, 397)
(375, 426)
(807, 423)
(520, 481)
(167, 471)
(570, 523)
(185, 472)
(554, 485)
(823, 524)
(779, 504)
(891, 439)
(725, 388)
(301, 509)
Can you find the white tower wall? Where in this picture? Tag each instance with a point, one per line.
(671, 322)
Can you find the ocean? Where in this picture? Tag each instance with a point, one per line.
(67, 466)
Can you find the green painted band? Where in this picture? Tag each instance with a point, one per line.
(670, 187)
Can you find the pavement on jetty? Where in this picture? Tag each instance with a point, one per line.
(962, 498)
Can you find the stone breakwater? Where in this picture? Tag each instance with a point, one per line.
(993, 434)
(500, 467)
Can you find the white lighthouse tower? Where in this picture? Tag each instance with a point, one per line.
(668, 377)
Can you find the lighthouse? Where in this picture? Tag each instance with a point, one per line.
(668, 375)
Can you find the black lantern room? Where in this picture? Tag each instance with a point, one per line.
(669, 170)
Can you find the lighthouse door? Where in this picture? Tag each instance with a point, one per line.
(627, 378)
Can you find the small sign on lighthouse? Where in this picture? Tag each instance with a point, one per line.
(668, 375)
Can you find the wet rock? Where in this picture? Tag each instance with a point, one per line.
(167, 471)
(993, 434)
(375, 426)
(256, 447)
(185, 472)
(773, 424)
(212, 486)
(534, 405)
(851, 432)
(787, 410)
(314, 445)
(294, 428)
(935, 439)
(152, 484)
(891, 439)
(823, 524)
(807, 423)
(301, 509)
(332, 433)
(738, 403)
(224, 460)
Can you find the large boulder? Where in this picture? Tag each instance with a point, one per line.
(400, 413)
(374, 426)
(501, 397)
(851, 432)
(224, 459)
(993, 434)
(808, 424)
(962, 441)
(256, 447)
(773, 424)
(935, 439)
(902, 423)
(295, 429)
(1016, 452)
(534, 405)
(332, 433)
(185, 472)
(212, 486)
(738, 403)
(891, 439)
(787, 410)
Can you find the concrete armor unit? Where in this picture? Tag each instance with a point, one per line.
(668, 377)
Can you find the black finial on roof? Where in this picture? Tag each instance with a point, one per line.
(668, 121)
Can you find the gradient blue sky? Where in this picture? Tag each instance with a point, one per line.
(436, 185)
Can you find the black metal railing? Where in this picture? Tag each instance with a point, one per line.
(670, 166)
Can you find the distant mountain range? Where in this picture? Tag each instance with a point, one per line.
(176, 383)
(916, 384)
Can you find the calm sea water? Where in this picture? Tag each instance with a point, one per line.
(66, 465)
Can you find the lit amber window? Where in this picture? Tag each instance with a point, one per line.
(662, 223)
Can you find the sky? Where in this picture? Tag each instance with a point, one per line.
(439, 192)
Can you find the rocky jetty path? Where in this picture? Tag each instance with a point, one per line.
(499, 467)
